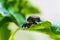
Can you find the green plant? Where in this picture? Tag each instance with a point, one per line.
(16, 11)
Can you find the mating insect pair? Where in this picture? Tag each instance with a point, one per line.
(31, 20)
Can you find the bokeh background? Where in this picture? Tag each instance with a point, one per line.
(50, 9)
(13, 13)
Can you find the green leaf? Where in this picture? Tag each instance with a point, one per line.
(55, 29)
(29, 9)
(17, 18)
(42, 25)
(4, 32)
(46, 28)
(1, 17)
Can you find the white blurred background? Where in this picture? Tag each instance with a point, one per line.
(27, 35)
(50, 10)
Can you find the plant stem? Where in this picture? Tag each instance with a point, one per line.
(12, 35)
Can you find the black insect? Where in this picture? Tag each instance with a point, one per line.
(31, 20)
(26, 25)
(34, 19)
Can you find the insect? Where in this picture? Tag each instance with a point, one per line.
(31, 20)
(34, 19)
(26, 25)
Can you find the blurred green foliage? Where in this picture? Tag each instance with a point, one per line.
(1, 17)
(47, 28)
(4, 32)
(19, 9)
(16, 11)
(42, 25)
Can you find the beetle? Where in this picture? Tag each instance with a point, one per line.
(31, 20)
(26, 25)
